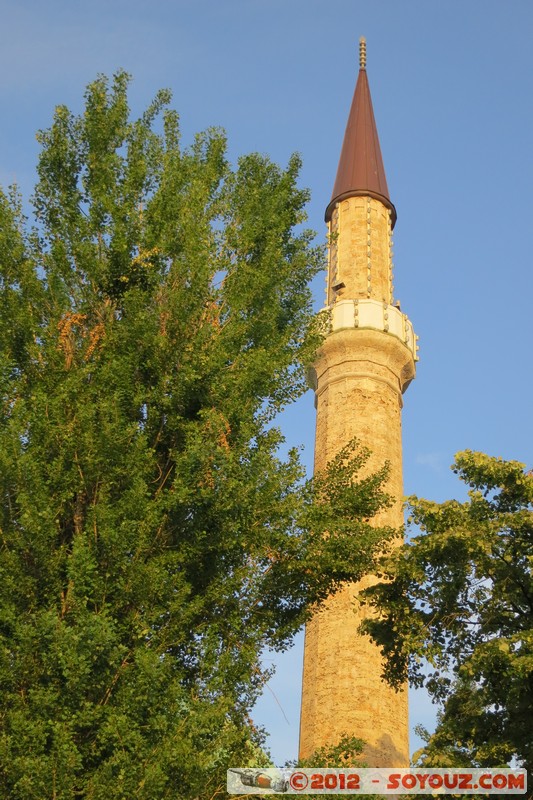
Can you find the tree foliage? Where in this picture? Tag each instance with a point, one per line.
(460, 597)
(154, 321)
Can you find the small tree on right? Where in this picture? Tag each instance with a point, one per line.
(459, 598)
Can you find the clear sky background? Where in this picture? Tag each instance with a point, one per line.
(452, 87)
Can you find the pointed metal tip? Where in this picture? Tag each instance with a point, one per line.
(362, 53)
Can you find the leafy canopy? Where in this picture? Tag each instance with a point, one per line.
(461, 598)
(153, 541)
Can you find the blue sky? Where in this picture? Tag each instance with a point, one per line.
(452, 87)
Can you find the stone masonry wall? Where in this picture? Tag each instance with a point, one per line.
(361, 236)
(360, 376)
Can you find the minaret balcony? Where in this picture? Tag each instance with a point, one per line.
(379, 316)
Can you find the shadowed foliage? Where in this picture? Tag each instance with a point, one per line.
(460, 596)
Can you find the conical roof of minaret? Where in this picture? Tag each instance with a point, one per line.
(360, 170)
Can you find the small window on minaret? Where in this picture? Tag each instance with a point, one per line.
(333, 277)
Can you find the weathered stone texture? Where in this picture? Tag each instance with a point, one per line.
(360, 376)
(363, 250)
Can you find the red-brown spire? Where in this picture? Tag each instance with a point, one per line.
(360, 170)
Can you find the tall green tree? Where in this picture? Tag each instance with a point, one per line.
(154, 319)
(460, 597)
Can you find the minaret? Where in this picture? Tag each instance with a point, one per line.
(366, 362)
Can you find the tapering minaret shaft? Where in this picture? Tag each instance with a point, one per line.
(364, 365)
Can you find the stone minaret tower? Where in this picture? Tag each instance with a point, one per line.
(365, 364)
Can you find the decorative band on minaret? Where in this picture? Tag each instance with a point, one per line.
(366, 362)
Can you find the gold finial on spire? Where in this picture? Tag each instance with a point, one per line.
(362, 52)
